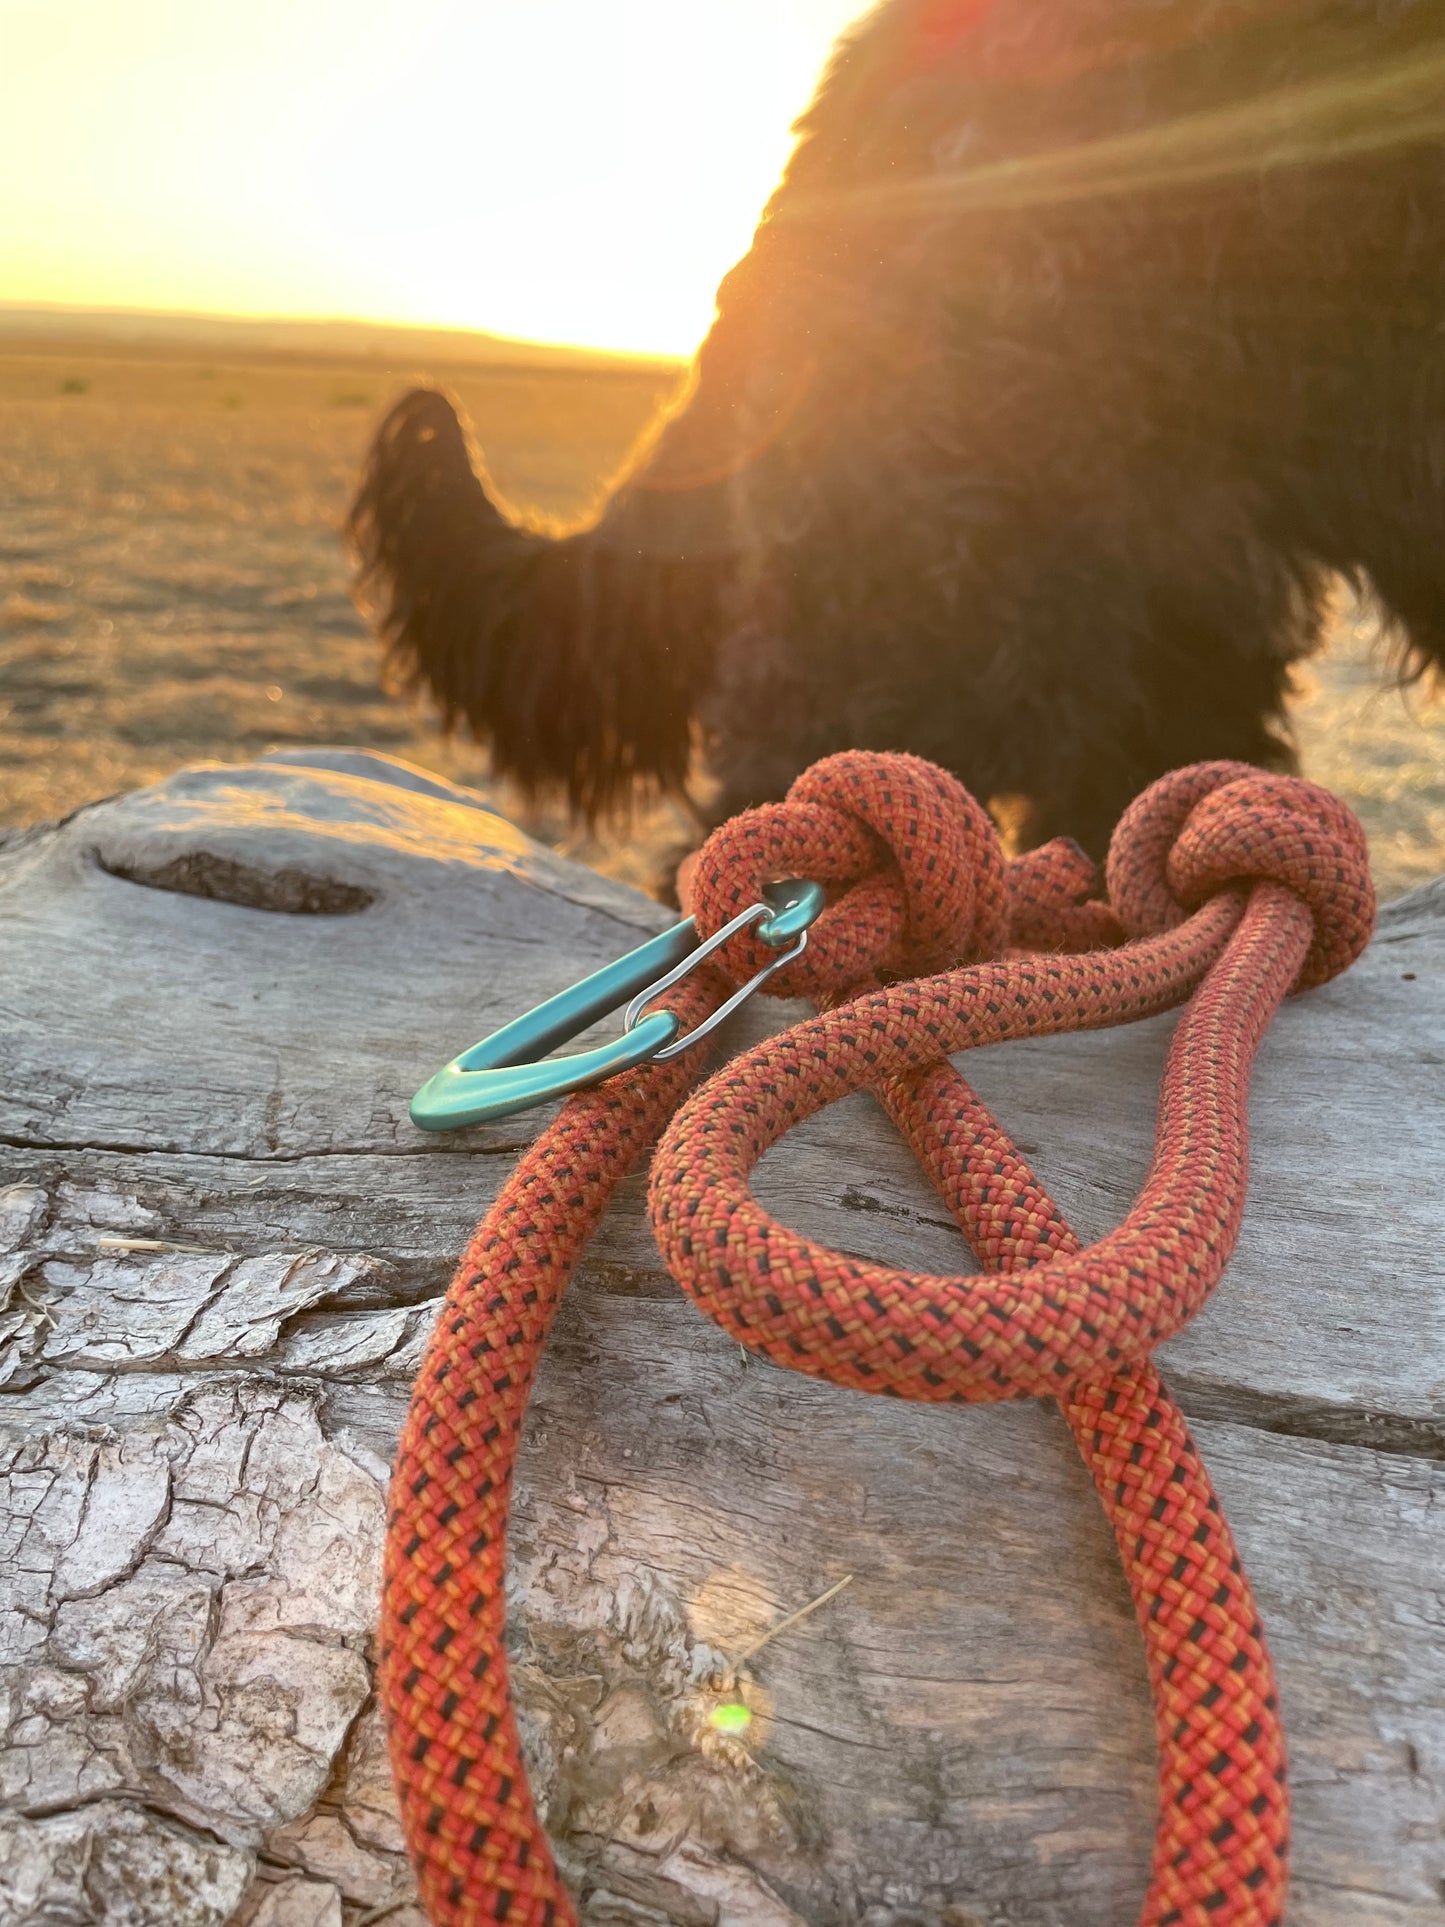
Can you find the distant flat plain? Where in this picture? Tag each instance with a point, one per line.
(173, 587)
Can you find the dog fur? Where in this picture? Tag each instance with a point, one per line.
(1084, 344)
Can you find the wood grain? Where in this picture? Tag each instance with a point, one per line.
(221, 1246)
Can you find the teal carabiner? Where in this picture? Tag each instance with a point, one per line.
(509, 1071)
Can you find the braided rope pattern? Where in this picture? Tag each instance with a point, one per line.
(1223, 1805)
(478, 1848)
(1236, 888)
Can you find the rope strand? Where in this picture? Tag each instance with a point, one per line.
(1234, 888)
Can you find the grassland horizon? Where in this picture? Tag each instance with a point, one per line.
(173, 587)
(54, 326)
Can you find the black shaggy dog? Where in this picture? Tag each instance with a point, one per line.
(1082, 343)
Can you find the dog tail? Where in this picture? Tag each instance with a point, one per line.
(575, 658)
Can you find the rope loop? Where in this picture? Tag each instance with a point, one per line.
(1215, 826)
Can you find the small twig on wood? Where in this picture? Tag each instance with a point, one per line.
(783, 1625)
(383, 1912)
(157, 1244)
(37, 1309)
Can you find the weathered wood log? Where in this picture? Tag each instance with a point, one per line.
(223, 1244)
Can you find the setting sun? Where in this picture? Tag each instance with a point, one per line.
(554, 170)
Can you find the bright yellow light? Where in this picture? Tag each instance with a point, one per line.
(555, 169)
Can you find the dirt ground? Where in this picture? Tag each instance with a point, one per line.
(172, 588)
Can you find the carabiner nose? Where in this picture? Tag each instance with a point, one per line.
(510, 1071)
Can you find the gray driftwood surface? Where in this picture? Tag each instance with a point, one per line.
(223, 1245)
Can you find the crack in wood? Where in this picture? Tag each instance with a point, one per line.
(963, 1737)
(202, 873)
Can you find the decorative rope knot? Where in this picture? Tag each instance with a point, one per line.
(920, 881)
(920, 885)
(915, 868)
(1216, 826)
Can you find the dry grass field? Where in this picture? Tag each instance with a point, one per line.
(172, 587)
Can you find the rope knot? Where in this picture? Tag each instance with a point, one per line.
(914, 868)
(1214, 826)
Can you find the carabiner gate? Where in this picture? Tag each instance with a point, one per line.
(506, 1072)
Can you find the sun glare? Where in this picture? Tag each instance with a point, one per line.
(552, 169)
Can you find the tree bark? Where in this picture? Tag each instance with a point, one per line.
(221, 1247)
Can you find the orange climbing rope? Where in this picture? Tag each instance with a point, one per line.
(1228, 888)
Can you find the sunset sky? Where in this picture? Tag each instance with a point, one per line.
(564, 170)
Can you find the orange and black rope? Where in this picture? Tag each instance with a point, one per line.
(1231, 888)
